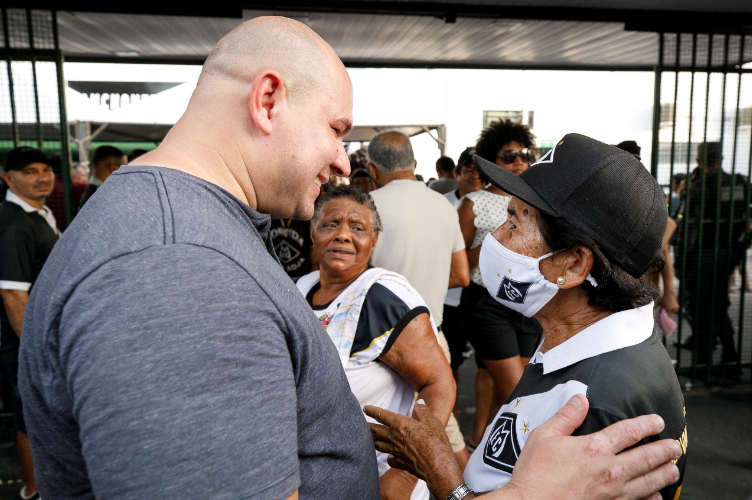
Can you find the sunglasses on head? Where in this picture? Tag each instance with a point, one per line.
(508, 156)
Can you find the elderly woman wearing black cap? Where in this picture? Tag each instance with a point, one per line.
(585, 223)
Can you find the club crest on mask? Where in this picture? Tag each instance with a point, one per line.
(513, 291)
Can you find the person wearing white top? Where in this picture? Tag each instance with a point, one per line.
(421, 240)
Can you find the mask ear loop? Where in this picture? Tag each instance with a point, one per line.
(589, 278)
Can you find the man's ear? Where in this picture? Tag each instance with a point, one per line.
(374, 172)
(268, 93)
(578, 261)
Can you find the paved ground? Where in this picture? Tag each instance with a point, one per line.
(719, 427)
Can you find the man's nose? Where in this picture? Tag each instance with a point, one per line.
(341, 166)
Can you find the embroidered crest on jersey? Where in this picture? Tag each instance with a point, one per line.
(513, 291)
(502, 449)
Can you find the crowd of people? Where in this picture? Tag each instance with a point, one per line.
(220, 321)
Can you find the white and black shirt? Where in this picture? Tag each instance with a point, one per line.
(386, 311)
(619, 364)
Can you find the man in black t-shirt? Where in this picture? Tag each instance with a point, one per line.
(292, 243)
(27, 234)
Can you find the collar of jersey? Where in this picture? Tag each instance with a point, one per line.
(620, 330)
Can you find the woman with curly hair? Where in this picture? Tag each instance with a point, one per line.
(503, 339)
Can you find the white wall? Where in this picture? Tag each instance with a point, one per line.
(609, 106)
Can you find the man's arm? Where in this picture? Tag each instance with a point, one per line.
(459, 274)
(14, 302)
(553, 464)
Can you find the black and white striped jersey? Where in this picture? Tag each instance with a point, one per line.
(619, 364)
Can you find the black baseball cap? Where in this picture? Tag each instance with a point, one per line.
(19, 157)
(600, 190)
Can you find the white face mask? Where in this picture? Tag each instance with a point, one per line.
(515, 280)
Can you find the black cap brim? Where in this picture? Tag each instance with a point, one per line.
(513, 184)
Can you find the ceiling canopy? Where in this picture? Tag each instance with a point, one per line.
(573, 34)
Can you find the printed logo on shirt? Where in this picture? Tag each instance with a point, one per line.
(286, 252)
(513, 291)
(325, 320)
(502, 449)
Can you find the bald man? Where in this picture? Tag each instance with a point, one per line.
(165, 353)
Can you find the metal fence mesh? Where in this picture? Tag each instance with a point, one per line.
(704, 160)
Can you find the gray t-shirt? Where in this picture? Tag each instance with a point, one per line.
(166, 354)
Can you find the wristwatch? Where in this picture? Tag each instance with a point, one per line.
(460, 492)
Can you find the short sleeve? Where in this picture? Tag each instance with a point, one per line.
(17, 249)
(382, 319)
(179, 378)
(459, 240)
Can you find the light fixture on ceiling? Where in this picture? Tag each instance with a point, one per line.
(127, 53)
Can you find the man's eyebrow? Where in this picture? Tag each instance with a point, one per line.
(512, 212)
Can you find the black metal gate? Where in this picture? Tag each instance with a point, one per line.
(703, 130)
(32, 90)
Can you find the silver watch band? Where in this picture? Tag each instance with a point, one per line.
(460, 492)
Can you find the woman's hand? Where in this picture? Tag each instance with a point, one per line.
(669, 303)
(418, 446)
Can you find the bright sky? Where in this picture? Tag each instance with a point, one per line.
(609, 106)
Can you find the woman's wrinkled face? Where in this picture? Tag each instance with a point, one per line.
(344, 237)
(520, 232)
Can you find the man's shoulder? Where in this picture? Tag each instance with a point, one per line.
(411, 193)
(11, 215)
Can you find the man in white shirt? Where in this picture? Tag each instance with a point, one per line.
(421, 239)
